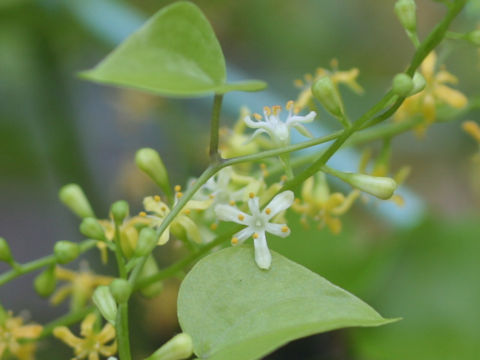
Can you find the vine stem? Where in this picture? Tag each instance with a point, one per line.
(21, 269)
(214, 126)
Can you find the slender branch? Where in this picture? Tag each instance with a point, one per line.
(21, 269)
(214, 126)
(122, 332)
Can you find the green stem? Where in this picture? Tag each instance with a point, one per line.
(21, 269)
(214, 126)
(122, 271)
(121, 326)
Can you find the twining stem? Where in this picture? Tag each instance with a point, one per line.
(121, 326)
(214, 126)
(21, 269)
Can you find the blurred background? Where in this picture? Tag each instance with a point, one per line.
(56, 129)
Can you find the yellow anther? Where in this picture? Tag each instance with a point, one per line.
(257, 116)
(267, 110)
(298, 83)
(285, 229)
(177, 188)
(255, 236)
(263, 166)
(308, 77)
(472, 128)
(179, 195)
(232, 203)
(268, 211)
(211, 196)
(297, 201)
(320, 72)
(234, 241)
(283, 178)
(214, 226)
(157, 198)
(187, 211)
(142, 213)
(163, 208)
(241, 217)
(289, 105)
(276, 109)
(251, 195)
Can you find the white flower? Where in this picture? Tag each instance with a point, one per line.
(278, 130)
(258, 223)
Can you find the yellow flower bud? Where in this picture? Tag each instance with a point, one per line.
(177, 348)
(74, 198)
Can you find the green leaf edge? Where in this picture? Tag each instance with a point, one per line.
(256, 354)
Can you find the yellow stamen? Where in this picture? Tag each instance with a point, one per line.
(211, 196)
(284, 229)
(214, 226)
(179, 195)
(251, 195)
(268, 211)
(267, 110)
(234, 241)
(276, 109)
(308, 77)
(187, 211)
(241, 217)
(297, 201)
(257, 116)
(283, 178)
(142, 213)
(298, 83)
(157, 198)
(177, 188)
(289, 105)
(232, 203)
(163, 208)
(255, 236)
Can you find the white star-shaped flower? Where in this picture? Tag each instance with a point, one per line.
(278, 130)
(258, 223)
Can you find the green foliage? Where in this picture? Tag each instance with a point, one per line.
(229, 306)
(175, 53)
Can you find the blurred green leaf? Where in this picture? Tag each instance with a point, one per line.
(176, 53)
(234, 310)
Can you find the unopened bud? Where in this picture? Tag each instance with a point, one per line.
(326, 93)
(74, 198)
(419, 84)
(46, 282)
(66, 251)
(147, 240)
(105, 303)
(5, 253)
(119, 211)
(474, 37)
(149, 161)
(402, 85)
(406, 13)
(121, 290)
(381, 187)
(177, 348)
(92, 229)
(150, 268)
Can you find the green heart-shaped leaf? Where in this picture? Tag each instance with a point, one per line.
(175, 53)
(233, 310)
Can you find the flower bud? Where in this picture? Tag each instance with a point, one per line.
(149, 161)
(406, 13)
(474, 37)
(177, 348)
(119, 211)
(381, 187)
(92, 229)
(74, 198)
(105, 303)
(46, 282)
(66, 251)
(5, 253)
(121, 290)
(419, 83)
(150, 268)
(147, 240)
(402, 85)
(326, 93)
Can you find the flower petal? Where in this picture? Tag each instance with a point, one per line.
(64, 334)
(277, 229)
(263, 258)
(253, 124)
(27, 332)
(244, 234)
(107, 334)
(86, 327)
(280, 202)
(451, 96)
(301, 119)
(230, 213)
(303, 130)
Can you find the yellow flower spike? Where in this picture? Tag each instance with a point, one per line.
(472, 128)
(12, 332)
(91, 344)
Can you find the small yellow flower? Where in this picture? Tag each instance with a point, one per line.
(348, 78)
(323, 206)
(80, 285)
(436, 92)
(12, 331)
(92, 343)
(473, 129)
